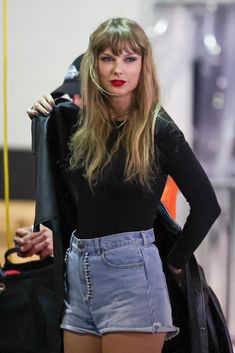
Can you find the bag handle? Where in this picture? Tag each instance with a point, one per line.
(9, 252)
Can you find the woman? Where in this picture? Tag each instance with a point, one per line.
(123, 150)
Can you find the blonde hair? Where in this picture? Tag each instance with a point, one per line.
(88, 144)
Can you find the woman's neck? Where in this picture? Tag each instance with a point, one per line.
(121, 108)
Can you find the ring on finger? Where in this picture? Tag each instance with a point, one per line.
(34, 106)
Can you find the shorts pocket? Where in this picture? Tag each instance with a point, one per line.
(153, 267)
(127, 256)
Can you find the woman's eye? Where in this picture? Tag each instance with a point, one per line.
(106, 58)
(131, 59)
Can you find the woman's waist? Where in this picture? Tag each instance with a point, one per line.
(110, 241)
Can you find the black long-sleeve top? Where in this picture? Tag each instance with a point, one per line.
(117, 206)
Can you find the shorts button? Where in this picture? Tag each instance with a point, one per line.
(81, 245)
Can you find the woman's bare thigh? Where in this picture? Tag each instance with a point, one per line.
(81, 343)
(132, 342)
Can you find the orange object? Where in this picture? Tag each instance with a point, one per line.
(169, 196)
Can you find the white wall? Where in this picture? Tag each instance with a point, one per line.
(44, 37)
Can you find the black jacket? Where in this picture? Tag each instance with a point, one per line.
(196, 309)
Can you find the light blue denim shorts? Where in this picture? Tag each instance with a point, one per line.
(116, 283)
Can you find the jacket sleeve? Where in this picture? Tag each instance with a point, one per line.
(182, 165)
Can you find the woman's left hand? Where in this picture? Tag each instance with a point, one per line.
(178, 275)
(43, 106)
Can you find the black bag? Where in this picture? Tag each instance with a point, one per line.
(29, 316)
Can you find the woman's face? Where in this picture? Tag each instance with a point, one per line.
(120, 74)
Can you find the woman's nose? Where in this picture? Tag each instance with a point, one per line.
(117, 68)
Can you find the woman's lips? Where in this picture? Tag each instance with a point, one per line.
(118, 83)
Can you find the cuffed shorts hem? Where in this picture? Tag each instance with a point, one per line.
(79, 330)
(171, 331)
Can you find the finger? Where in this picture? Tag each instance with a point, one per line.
(48, 97)
(42, 107)
(20, 235)
(21, 232)
(43, 245)
(42, 227)
(38, 248)
(45, 104)
(44, 253)
(29, 236)
(18, 241)
(49, 235)
(28, 253)
(29, 244)
(32, 242)
(39, 239)
(26, 247)
(32, 113)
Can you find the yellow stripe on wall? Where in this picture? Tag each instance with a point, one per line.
(5, 132)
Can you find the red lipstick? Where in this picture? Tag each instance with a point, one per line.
(118, 83)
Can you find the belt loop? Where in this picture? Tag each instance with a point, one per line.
(145, 237)
(98, 246)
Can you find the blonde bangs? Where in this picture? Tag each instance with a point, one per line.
(119, 36)
(118, 43)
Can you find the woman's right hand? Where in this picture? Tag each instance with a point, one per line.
(43, 106)
(34, 243)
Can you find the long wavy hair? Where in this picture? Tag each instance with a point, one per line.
(89, 143)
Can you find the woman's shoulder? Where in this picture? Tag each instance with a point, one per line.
(169, 137)
(164, 122)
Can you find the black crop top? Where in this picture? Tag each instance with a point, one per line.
(116, 206)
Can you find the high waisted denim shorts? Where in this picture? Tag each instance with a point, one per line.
(116, 283)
